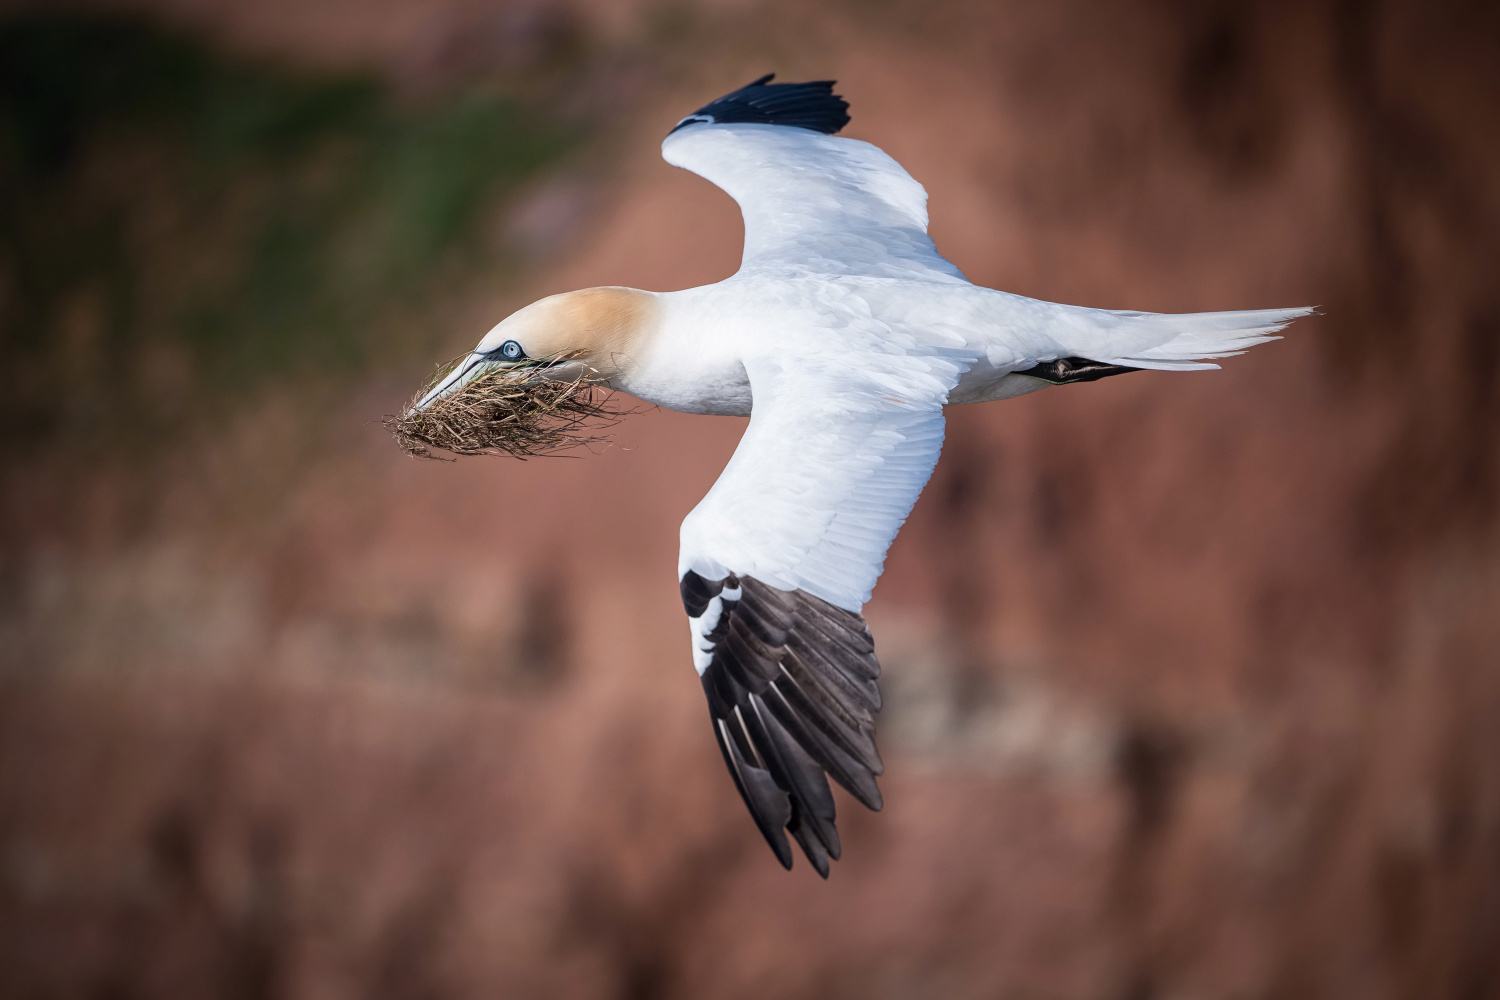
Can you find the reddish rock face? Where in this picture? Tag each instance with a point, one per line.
(1192, 678)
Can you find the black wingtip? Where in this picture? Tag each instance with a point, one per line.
(791, 691)
(769, 805)
(811, 105)
(812, 847)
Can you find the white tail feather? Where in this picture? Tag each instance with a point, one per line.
(1191, 338)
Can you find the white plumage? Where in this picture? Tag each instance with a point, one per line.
(815, 204)
(843, 335)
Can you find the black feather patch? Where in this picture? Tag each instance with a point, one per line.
(811, 105)
(791, 691)
(1068, 370)
(697, 592)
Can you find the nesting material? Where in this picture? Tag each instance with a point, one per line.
(521, 412)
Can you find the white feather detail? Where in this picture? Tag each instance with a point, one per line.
(701, 627)
(836, 452)
(815, 204)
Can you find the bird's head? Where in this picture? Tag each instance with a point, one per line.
(591, 333)
(533, 379)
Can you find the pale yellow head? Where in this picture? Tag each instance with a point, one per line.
(597, 331)
(602, 327)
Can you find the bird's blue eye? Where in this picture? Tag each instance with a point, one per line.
(511, 350)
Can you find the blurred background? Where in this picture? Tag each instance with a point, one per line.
(1193, 681)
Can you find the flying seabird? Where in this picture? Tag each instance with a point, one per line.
(842, 336)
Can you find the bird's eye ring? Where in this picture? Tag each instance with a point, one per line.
(511, 351)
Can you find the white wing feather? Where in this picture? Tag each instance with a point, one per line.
(836, 452)
(815, 204)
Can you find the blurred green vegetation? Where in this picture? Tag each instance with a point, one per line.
(179, 226)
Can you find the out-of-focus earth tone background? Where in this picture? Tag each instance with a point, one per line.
(1193, 679)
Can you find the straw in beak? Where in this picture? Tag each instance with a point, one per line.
(483, 406)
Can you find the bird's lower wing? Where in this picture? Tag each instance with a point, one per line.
(777, 561)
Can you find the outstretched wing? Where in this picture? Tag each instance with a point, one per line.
(776, 563)
(814, 204)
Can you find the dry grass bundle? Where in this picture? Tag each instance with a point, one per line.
(521, 412)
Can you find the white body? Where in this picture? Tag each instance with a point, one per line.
(696, 361)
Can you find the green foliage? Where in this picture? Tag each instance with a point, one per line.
(178, 226)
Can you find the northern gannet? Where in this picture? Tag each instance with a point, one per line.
(842, 336)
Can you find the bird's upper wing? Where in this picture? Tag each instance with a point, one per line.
(778, 559)
(813, 203)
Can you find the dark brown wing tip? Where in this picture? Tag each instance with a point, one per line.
(791, 691)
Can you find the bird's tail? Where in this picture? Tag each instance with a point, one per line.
(1184, 341)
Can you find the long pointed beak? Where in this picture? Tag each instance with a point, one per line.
(467, 371)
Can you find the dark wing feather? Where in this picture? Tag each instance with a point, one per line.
(791, 690)
(1068, 370)
(811, 105)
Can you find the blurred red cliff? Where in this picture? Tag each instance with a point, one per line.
(1193, 680)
